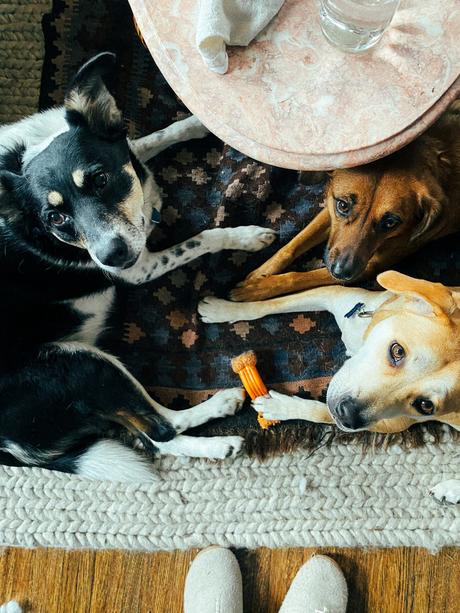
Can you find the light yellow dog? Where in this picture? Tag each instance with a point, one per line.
(404, 364)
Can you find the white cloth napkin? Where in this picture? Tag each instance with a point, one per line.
(230, 22)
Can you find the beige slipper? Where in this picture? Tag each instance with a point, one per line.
(213, 583)
(10, 607)
(318, 587)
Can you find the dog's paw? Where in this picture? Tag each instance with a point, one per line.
(216, 310)
(226, 447)
(274, 266)
(228, 402)
(447, 492)
(249, 238)
(254, 291)
(272, 407)
(195, 129)
(258, 274)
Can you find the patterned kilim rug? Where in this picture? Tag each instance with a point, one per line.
(353, 490)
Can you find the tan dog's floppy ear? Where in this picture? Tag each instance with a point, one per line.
(89, 102)
(430, 209)
(436, 298)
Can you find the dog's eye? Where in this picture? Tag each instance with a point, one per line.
(397, 353)
(389, 222)
(342, 207)
(423, 405)
(56, 218)
(99, 180)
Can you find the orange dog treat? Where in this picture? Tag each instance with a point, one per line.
(245, 366)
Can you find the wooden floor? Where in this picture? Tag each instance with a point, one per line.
(391, 581)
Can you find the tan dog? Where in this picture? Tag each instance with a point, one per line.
(404, 348)
(375, 215)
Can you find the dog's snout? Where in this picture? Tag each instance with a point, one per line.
(116, 253)
(349, 413)
(346, 267)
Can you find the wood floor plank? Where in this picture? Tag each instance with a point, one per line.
(380, 581)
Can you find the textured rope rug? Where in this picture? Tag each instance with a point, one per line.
(335, 497)
(21, 57)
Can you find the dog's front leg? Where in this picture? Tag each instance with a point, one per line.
(151, 145)
(316, 232)
(153, 265)
(337, 300)
(280, 407)
(286, 283)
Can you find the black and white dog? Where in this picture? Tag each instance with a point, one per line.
(76, 206)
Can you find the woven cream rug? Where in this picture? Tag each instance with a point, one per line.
(336, 497)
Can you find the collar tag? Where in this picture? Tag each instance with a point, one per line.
(359, 310)
(358, 307)
(155, 217)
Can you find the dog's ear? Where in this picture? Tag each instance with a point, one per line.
(428, 298)
(429, 209)
(10, 183)
(89, 102)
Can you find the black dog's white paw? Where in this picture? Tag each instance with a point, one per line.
(195, 129)
(226, 447)
(249, 238)
(229, 401)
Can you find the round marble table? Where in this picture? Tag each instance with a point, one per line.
(292, 100)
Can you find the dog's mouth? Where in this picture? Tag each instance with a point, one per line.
(343, 277)
(346, 428)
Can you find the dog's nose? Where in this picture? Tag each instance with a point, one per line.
(345, 268)
(116, 253)
(348, 413)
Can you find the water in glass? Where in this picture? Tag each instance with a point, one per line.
(356, 25)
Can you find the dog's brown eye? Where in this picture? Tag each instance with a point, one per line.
(56, 219)
(342, 207)
(100, 180)
(389, 222)
(423, 405)
(397, 353)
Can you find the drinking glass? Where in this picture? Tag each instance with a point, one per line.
(356, 25)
